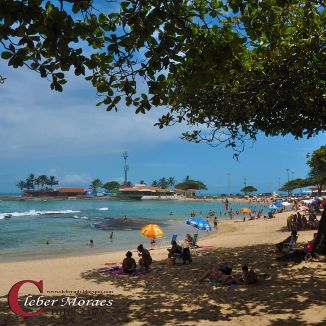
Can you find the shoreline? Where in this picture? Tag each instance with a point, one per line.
(266, 200)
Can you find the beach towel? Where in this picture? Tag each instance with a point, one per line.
(117, 270)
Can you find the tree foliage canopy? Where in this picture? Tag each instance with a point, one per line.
(249, 189)
(317, 173)
(111, 186)
(191, 184)
(229, 69)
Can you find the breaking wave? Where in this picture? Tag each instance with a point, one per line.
(36, 213)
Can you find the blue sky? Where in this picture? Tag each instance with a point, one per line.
(66, 135)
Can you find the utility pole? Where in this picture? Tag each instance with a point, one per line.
(229, 183)
(245, 184)
(292, 174)
(288, 174)
(125, 167)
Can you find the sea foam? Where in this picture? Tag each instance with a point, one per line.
(33, 212)
(103, 209)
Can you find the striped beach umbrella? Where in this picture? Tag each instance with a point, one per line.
(199, 224)
(152, 231)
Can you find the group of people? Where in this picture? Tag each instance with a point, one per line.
(211, 218)
(300, 221)
(291, 251)
(182, 251)
(129, 264)
(222, 273)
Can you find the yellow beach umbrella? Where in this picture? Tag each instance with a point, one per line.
(151, 231)
(245, 210)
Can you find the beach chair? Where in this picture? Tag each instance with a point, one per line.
(174, 237)
(194, 243)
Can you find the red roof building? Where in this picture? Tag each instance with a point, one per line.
(72, 191)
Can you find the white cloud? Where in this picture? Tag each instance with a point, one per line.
(68, 178)
(41, 123)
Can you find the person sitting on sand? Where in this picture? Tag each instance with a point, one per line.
(146, 259)
(190, 239)
(248, 276)
(174, 250)
(290, 241)
(129, 264)
(217, 273)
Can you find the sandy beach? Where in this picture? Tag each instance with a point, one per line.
(172, 295)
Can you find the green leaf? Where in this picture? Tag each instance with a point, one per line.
(6, 55)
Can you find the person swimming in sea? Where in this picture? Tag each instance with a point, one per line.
(111, 236)
(90, 243)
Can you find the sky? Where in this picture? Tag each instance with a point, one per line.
(66, 135)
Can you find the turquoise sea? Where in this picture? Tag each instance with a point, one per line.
(69, 224)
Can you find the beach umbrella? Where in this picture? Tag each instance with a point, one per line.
(151, 231)
(273, 207)
(304, 208)
(245, 210)
(278, 204)
(199, 224)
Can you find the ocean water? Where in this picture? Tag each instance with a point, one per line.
(69, 225)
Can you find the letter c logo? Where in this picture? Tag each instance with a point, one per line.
(13, 299)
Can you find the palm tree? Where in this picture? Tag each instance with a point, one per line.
(95, 184)
(52, 181)
(171, 182)
(154, 183)
(163, 183)
(142, 182)
(43, 180)
(21, 185)
(37, 182)
(30, 181)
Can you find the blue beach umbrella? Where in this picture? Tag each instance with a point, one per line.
(278, 204)
(273, 207)
(199, 224)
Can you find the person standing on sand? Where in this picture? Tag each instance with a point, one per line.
(215, 222)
